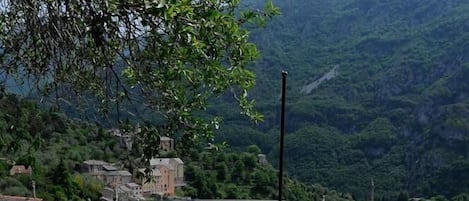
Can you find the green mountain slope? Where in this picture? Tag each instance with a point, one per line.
(397, 110)
(228, 175)
(55, 147)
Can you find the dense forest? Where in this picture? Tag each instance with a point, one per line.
(394, 109)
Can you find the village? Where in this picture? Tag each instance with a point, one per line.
(166, 174)
(160, 179)
(157, 181)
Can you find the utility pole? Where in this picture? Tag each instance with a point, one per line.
(116, 198)
(33, 183)
(282, 134)
(372, 193)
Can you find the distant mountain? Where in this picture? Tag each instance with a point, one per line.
(397, 110)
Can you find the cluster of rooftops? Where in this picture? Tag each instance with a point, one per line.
(161, 178)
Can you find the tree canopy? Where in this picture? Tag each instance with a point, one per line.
(167, 55)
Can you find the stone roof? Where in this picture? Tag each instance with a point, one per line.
(109, 168)
(165, 161)
(132, 185)
(154, 172)
(178, 161)
(119, 172)
(124, 189)
(161, 161)
(164, 138)
(95, 162)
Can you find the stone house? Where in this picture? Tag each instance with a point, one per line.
(166, 174)
(115, 178)
(20, 169)
(151, 183)
(175, 165)
(178, 165)
(262, 159)
(167, 180)
(127, 192)
(125, 139)
(110, 175)
(136, 189)
(94, 167)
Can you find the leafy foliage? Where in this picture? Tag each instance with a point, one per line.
(168, 56)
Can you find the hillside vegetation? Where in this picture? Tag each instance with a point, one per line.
(55, 146)
(398, 110)
(228, 175)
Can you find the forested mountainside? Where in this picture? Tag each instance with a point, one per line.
(393, 106)
(54, 147)
(377, 90)
(241, 175)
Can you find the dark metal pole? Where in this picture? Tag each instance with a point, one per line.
(282, 134)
